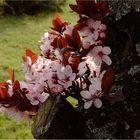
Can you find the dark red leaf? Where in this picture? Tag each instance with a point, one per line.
(74, 8)
(3, 93)
(34, 58)
(69, 40)
(105, 7)
(74, 61)
(54, 43)
(30, 54)
(24, 58)
(4, 90)
(91, 9)
(74, 40)
(3, 84)
(12, 76)
(76, 36)
(55, 25)
(66, 54)
(107, 81)
(59, 42)
(16, 86)
(63, 42)
(58, 25)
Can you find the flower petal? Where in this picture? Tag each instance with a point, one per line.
(106, 59)
(96, 25)
(34, 102)
(97, 49)
(43, 97)
(96, 35)
(86, 44)
(68, 70)
(106, 50)
(72, 77)
(87, 104)
(92, 89)
(85, 31)
(102, 35)
(98, 60)
(98, 103)
(102, 27)
(85, 94)
(90, 23)
(82, 68)
(60, 75)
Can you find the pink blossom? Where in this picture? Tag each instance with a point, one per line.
(100, 54)
(92, 32)
(46, 47)
(36, 98)
(94, 24)
(35, 92)
(93, 94)
(89, 63)
(39, 71)
(68, 30)
(82, 68)
(10, 88)
(56, 88)
(41, 64)
(27, 65)
(50, 73)
(102, 35)
(92, 66)
(23, 85)
(53, 84)
(66, 76)
(13, 112)
(102, 27)
(58, 55)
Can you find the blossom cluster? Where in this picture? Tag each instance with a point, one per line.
(73, 61)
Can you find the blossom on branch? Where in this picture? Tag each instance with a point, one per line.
(70, 63)
(65, 76)
(93, 94)
(93, 33)
(100, 54)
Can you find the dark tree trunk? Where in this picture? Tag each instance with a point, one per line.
(58, 119)
(113, 120)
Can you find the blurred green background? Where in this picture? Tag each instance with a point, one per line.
(16, 34)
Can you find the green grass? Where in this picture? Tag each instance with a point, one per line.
(17, 34)
(10, 129)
